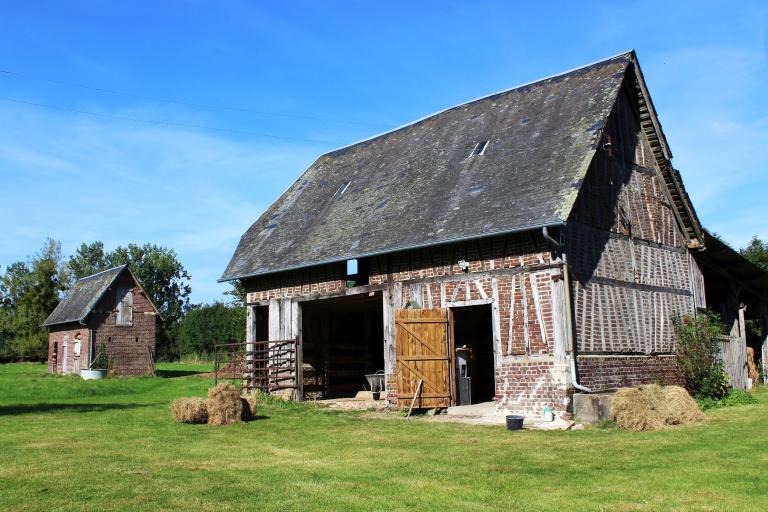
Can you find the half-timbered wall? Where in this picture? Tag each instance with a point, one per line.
(517, 275)
(629, 262)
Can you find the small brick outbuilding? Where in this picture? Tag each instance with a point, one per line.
(105, 310)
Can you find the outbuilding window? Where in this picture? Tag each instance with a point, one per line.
(125, 307)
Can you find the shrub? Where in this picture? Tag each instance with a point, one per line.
(736, 397)
(698, 354)
(101, 359)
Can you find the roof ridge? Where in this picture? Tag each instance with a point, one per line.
(104, 271)
(627, 53)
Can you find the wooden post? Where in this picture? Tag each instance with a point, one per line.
(560, 346)
(392, 298)
(415, 396)
(250, 337)
(733, 311)
(496, 324)
(296, 335)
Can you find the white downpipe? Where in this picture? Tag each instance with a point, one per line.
(568, 311)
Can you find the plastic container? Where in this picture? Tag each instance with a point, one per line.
(93, 374)
(514, 422)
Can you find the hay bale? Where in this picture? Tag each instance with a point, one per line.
(639, 408)
(249, 407)
(679, 408)
(752, 367)
(224, 405)
(190, 410)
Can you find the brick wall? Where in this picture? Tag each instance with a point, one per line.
(130, 349)
(607, 372)
(68, 335)
(526, 385)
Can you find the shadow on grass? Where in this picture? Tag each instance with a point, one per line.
(172, 374)
(9, 410)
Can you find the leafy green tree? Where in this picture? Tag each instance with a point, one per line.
(29, 292)
(204, 326)
(757, 253)
(162, 276)
(87, 260)
(237, 293)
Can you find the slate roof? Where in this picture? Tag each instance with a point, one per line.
(418, 185)
(83, 296)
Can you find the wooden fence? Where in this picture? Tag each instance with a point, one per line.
(733, 352)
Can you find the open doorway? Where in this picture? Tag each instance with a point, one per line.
(342, 341)
(472, 329)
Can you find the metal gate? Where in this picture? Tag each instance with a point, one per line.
(267, 366)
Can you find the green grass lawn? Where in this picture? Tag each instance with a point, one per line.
(111, 445)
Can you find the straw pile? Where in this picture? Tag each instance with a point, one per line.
(190, 410)
(249, 407)
(679, 408)
(753, 373)
(653, 407)
(636, 409)
(224, 405)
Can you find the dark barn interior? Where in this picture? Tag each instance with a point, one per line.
(472, 327)
(342, 341)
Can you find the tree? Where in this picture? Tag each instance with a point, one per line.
(29, 292)
(87, 260)
(204, 326)
(161, 274)
(237, 293)
(757, 253)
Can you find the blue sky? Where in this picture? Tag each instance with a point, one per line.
(291, 80)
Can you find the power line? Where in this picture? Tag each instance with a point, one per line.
(164, 123)
(188, 103)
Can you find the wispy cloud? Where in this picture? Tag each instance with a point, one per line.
(79, 179)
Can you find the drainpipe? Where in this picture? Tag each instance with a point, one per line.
(568, 311)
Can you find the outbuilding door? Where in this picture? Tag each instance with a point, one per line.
(424, 354)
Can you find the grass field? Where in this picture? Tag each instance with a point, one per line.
(66, 444)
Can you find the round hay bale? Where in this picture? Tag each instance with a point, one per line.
(189, 410)
(679, 407)
(639, 408)
(224, 405)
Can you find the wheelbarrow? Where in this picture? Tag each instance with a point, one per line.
(376, 383)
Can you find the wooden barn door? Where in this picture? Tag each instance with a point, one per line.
(423, 354)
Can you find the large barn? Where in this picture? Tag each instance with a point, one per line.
(517, 248)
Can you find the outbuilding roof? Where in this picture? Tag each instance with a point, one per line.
(508, 162)
(84, 296)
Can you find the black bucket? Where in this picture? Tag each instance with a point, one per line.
(514, 422)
